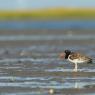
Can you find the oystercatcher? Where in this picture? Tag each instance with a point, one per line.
(75, 58)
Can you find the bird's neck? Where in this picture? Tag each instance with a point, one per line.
(67, 55)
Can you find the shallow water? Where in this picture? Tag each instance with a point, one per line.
(48, 24)
(30, 64)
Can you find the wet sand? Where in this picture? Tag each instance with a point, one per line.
(32, 66)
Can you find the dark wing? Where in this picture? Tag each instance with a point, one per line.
(80, 56)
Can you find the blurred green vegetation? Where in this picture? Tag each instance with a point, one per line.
(56, 13)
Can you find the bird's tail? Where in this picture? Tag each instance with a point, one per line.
(90, 61)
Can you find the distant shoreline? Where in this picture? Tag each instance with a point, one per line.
(56, 13)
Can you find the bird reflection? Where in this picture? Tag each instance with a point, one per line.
(76, 81)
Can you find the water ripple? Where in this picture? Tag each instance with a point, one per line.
(46, 37)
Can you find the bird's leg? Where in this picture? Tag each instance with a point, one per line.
(75, 69)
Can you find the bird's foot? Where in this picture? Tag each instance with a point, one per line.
(75, 70)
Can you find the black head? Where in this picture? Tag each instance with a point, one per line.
(67, 53)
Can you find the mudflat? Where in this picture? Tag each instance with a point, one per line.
(30, 63)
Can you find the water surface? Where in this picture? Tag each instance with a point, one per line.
(30, 63)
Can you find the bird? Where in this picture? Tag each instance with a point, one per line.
(76, 58)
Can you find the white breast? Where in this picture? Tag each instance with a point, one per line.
(76, 60)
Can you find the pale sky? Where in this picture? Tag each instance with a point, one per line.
(33, 4)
